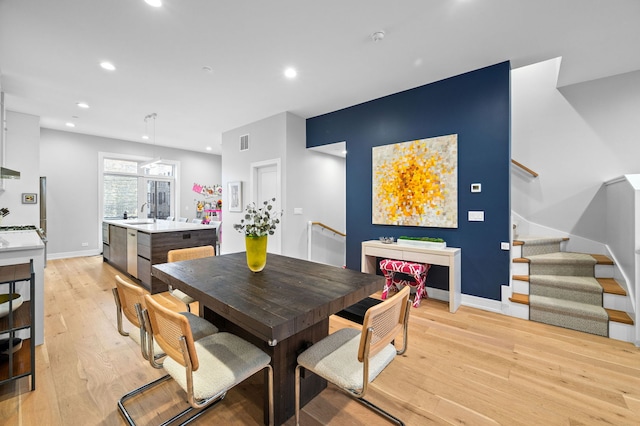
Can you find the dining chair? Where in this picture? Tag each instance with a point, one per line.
(130, 302)
(204, 368)
(187, 254)
(352, 358)
(169, 218)
(196, 220)
(182, 219)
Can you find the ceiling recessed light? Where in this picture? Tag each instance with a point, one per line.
(290, 73)
(83, 105)
(208, 148)
(207, 69)
(69, 124)
(108, 66)
(154, 3)
(145, 137)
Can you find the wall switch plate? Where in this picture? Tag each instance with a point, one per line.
(504, 246)
(297, 210)
(476, 216)
(476, 187)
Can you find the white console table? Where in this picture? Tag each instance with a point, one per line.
(448, 256)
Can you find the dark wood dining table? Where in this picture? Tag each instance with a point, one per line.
(283, 309)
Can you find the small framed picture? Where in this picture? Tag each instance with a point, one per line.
(29, 198)
(235, 196)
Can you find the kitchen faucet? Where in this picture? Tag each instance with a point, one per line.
(142, 207)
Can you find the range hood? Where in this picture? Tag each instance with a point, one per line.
(8, 173)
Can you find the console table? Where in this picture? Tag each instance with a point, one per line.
(448, 256)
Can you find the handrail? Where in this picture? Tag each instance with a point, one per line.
(525, 168)
(329, 228)
(310, 234)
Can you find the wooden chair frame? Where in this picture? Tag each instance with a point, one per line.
(372, 341)
(182, 350)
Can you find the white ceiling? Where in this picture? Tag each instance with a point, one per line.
(50, 51)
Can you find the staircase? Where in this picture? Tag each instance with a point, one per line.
(565, 289)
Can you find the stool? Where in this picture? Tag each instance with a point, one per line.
(417, 271)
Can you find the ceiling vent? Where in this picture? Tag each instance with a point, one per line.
(244, 143)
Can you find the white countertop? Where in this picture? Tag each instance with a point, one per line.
(19, 240)
(160, 225)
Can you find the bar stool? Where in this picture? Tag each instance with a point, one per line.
(414, 275)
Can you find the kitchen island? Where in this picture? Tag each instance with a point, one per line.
(133, 245)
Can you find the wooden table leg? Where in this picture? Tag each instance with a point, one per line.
(283, 360)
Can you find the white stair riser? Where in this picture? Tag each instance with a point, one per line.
(604, 271)
(617, 302)
(519, 269)
(620, 331)
(521, 287)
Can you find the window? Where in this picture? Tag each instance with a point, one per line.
(120, 195)
(141, 192)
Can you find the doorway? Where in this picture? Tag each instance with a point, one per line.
(266, 184)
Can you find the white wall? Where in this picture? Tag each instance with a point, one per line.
(316, 183)
(23, 155)
(70, 163)
(576, 138)
(312, 181)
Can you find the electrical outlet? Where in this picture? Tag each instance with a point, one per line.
(504, 246)
(85, 244)
(297, 210)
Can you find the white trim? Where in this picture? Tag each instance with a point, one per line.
(253, 189)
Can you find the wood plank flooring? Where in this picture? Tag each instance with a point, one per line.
(472, 367)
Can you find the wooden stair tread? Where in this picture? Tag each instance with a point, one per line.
(520, 277)
(619, 316)
(518, 242)
(611, 286)
(520, 298)
(520, 260)
(601, 259)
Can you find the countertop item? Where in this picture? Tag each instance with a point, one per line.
(19, 240)
(160, 225)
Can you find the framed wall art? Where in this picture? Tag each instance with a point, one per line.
(29, 198)
(235, 196)
(415, 183)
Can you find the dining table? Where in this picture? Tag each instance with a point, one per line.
(283, 309)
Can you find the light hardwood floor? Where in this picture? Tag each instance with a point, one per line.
(472, 367)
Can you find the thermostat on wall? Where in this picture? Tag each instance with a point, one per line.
(476, 187)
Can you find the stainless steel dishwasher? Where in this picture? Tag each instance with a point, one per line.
(132, 252)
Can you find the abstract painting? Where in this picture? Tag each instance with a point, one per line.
(415, 183)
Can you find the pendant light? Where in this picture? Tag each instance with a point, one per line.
(156, 160)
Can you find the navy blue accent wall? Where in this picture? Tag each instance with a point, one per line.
(476, 107)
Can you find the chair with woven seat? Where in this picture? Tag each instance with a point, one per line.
(190, 253)
(204, 368)
(352, 358)
(129, 299)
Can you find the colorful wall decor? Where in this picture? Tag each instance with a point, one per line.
(415, 183)
(214, 191)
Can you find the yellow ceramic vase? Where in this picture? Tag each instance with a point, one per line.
(256, 252)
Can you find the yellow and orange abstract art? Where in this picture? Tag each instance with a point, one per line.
(415, 183)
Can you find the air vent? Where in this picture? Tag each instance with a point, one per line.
(244, 142)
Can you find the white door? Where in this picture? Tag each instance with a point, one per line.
(266, 184)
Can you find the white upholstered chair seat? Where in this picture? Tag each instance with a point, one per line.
(225, 360)
(335, 358)
(181, 296)
(200, 328)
